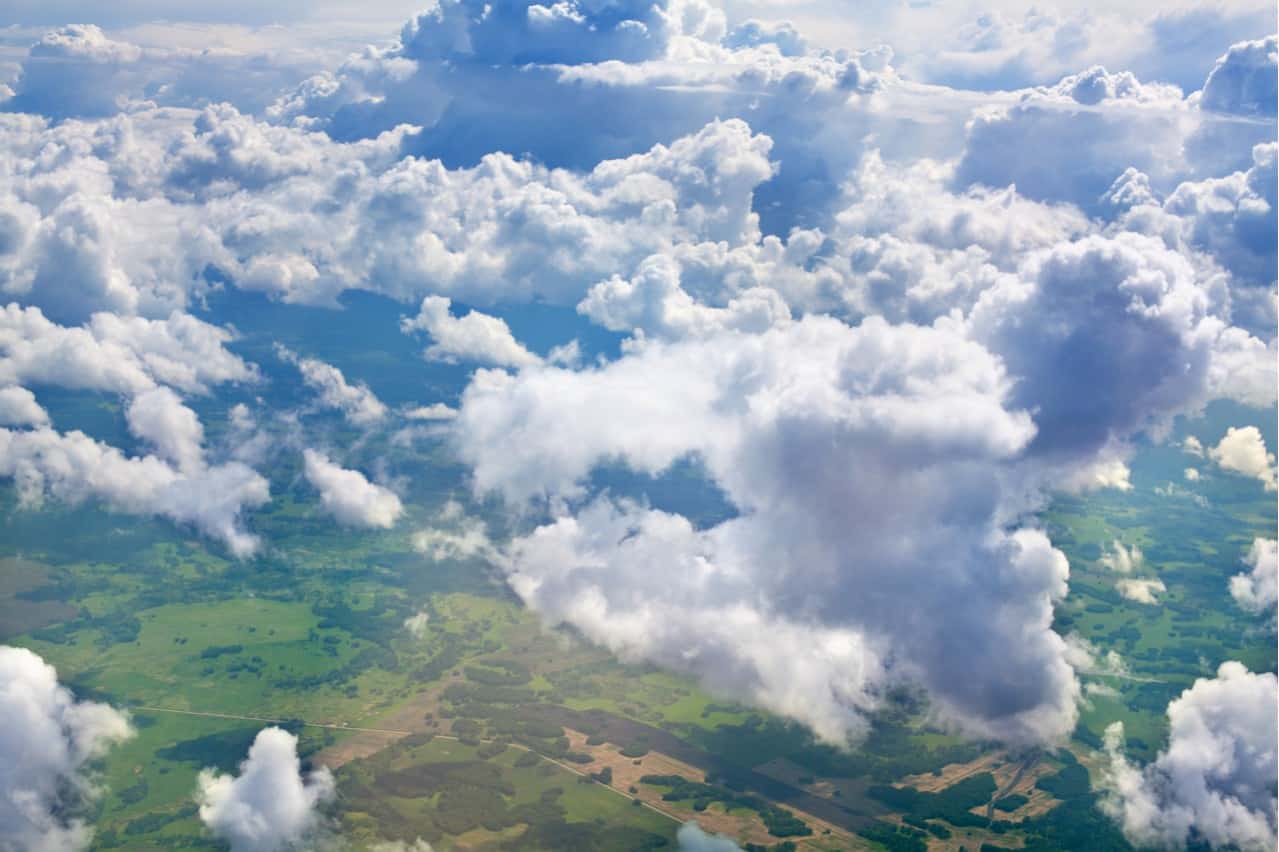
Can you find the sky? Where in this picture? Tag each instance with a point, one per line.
(889, 274)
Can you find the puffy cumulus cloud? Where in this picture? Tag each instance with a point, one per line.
(1122, 559)
(654, 303)
(1143, 337)
(692, 838)
(349, 496)
(644, 72)
(358, 404)
(158, 417)
(18, 407)
(270, 805)
(57, 69)
(866, 466)
(1095, 125)
(909, 248)
(1141, 589)
(1191, 474)
(474, 337)
(47, 742)
(78, 71)
(1232, 219)
(1242, 450)
(1243, 80)
(1214, 782)
(73, 467)
(1123, 121)
(296, 215)
(121, 354)
(1258, 589)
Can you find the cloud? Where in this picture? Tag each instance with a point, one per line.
(1243, 450)
(1191, 474)
(474, 337)
(1256, 590)
(1141, 590)
(692, 838)
(416, 624)
(840, 447)
(58, 65)
(359, 405)
(455, 536)
(73, 467)
(126, 355)
(349, 496)
(434, 411)
(270, 805)
(158, 417)
(1121, 559)
(1215, 780)
(18, 407)
(47, 742)
(654, 303)
(1243, 80)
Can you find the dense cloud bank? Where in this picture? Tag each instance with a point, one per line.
(46, 744)
(888, 318)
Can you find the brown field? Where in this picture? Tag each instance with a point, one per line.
(17, 616)
(744, 826)
(953, 773)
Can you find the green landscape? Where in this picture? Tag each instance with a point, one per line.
(451, 714)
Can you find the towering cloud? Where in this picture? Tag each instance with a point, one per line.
(270, 805)
(46, 744)
(1215, 780)
(1243, 450)
(837, 445)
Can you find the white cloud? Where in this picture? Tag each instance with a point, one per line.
(73, 467)
(1258, 589)
(455, 536)
(270, 805)
(416, 623)
(1215, 780)
(1191, 474)
(358, 404)
(45, 745)
(474, 337)
(349, 496)
(1122, 559)
(1243, 450)
(113, 353)
(434, 411)
(1193, 446)
(159, 417)
(1142, 590)
(836, 444)
(654, 303)
(18, 407)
